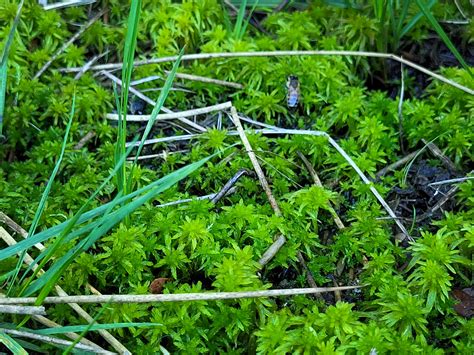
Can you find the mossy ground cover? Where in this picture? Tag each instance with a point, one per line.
(408, 302)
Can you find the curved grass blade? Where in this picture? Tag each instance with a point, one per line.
(46, 281)
(437, 27)
(45, 195)
(48, 253)
(4, 62)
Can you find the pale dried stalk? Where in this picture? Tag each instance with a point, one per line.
(351, 163)
(280, 240)
(31, 310)
(78, 309)
(153, 103)
(67, 44)
(173, 115)
(181, 297)
(317, 182)
(204, 79)
(282, 54)
(52, 340)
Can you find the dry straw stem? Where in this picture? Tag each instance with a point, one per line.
(317, 182)
(67, 3)
(397, 164)
(282, 54)
(52, 340)
(351, 163)
(78, 309)
(280, 240)
(204, 79)
(440, 155)
(174, 115)
(153, 103)
(67, 44)
(180, 297)
(32, 310)
(90, 63)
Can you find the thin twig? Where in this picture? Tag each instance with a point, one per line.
(31, 310)
(317, 182)
(84, 140)
(440, 155)
(451, 181)
(173, 115)
(204, 79)
(397, 164)
(52, 340)
(67, 3)
(229, 184)
(89, 64)
(400, 110)
(164, 155)
(180, 297)
(439, 204)
(153, 103)
(67, 44)
(49, 323)
(280, 239)
(349, 160)
(282, 54)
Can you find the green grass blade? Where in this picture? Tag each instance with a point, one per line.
(93, 327)
(239, 20)
(437, 27)
(85, 330)
(11, 344)
(48, 253)
(98, 211)
(247, 21)
(108, 221)
(127, 69)
(4, 62)
(408, 27)
(45, 195)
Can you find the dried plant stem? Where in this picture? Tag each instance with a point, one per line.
(317, 182)
(153, 103)
(280, 240)
(84, 140)
(204, 79)
(351, 163)
(255, 163)
(78, 309)
(173, 115)
(282, 54)
(397, 164)
(32, 310)
(67, 44)
(440, 155)
(90, 63)
(52, 340)
(181, 297)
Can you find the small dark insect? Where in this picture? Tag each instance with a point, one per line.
(293, 91)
